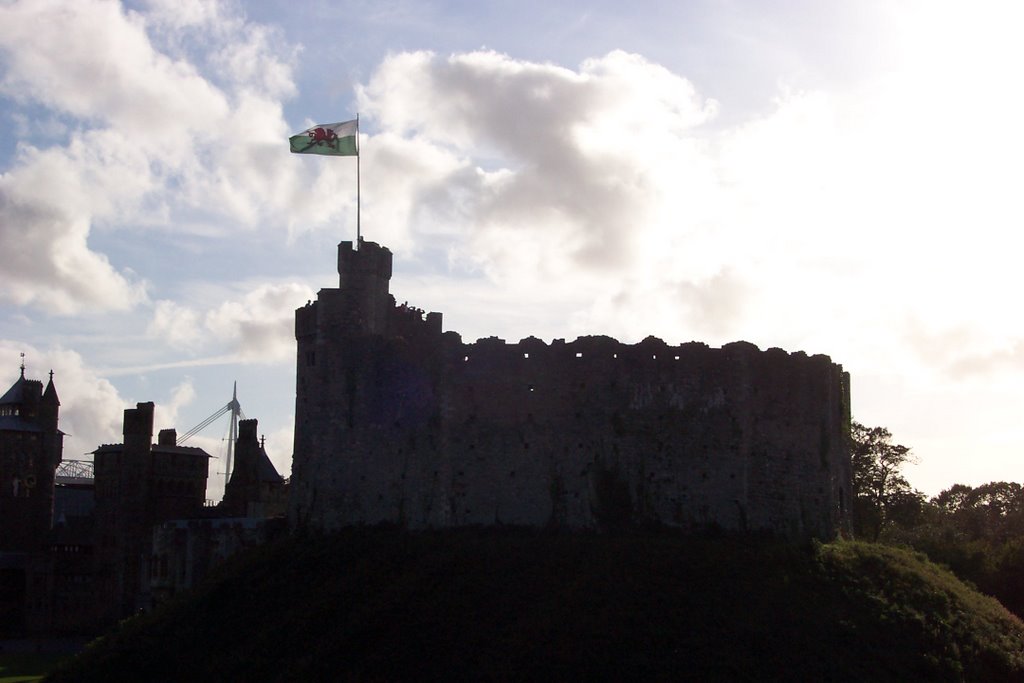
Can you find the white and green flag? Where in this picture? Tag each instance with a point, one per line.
(335, 139)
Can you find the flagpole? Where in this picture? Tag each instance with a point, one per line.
(359, 228)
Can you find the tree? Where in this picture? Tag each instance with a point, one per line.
(978, 532)
(990, 511)
(882, 496)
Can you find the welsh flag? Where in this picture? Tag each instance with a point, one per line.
(335, 139)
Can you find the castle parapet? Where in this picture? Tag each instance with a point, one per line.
(305, 321)
(370, 261)
(364, 275)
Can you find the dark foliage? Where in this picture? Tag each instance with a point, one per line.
(978, 532)
(518, 605)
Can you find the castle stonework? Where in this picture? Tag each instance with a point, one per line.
(31, 447)
(399, 422)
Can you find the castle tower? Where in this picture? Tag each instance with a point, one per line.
(364, 276)
(343, 359)
(357, 309)
(31, 447)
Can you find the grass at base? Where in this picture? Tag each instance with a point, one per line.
(22, 667)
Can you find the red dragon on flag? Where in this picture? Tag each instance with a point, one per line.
(334, 139)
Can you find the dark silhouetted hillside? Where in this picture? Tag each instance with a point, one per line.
(516, 605)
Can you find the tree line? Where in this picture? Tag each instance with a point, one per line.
(977, 531)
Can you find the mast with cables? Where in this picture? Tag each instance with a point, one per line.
(233, 407)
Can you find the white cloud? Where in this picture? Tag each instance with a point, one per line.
(600, 180)
(261, 326)
(835, 211)
(179, 14)
(558, 167)
(165, 414)
(178, 326)
(256, 327)
(155, 134)
(44, 259)
(92, 60)
(417, 179)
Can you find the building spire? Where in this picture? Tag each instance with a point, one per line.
(23, 365)
(50, 395)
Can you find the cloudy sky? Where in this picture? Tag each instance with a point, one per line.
(828, 176)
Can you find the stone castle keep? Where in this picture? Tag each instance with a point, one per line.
(399, 422)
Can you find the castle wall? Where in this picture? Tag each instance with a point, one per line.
(411, 426)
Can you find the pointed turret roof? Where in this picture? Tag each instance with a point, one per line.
(24, 393)
(16, 394)
(51, 392)
(266, 470)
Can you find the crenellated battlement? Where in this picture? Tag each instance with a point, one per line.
(600, 348)
(400, 422)
(369, 261)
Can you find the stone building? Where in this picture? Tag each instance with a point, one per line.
(139, 484)
(252, 512)
(31, 447)
(399, 422)
(62, 582)
(82, 550)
